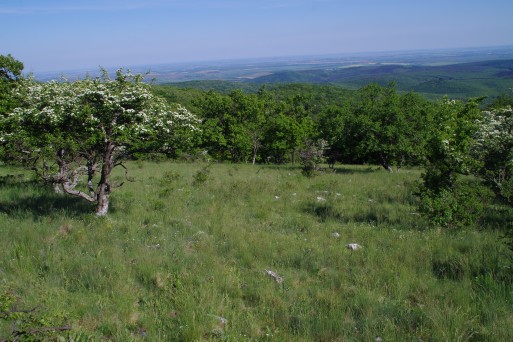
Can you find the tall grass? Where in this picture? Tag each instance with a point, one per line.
(180, 258)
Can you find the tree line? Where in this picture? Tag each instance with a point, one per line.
(66, 131)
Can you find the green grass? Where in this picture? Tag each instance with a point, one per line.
(176, 257)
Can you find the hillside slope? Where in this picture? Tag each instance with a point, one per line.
(488, 78)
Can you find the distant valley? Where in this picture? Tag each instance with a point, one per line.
(458, 73)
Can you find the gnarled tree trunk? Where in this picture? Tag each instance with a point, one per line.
(104, 186)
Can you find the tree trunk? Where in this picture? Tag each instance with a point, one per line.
(57, 187)
(103, 201)
(385, 164)
(387, 167)
(255, 151)
(104, 187)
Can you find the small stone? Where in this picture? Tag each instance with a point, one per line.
(223, 321)
(335, 235)
(274, 276)
(353, 246)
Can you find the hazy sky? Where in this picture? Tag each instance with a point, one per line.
(55, 35)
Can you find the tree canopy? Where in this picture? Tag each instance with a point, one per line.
(64, 130)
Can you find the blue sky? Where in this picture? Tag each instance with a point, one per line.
(59, 35)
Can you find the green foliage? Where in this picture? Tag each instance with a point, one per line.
(202, 175)
(10, 69)
(312, 154)
(378, 125)
(10, 75)
(461, 205)
(445, 200)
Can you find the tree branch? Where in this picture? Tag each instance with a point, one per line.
(126, 171)
(17, 333)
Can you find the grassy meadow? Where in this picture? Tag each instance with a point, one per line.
(183, 255)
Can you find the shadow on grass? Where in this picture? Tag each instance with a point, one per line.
(498, 217)
(344, 170)
(349, 170)
(11, 180)
(324, 212)
(33, 198)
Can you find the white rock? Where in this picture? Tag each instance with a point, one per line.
(275, 276)
(335, 235)
(222, 320)
(353, 246)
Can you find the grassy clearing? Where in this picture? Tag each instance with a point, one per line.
(182, 256)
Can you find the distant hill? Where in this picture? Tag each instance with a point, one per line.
(458, 73)
(462, 80)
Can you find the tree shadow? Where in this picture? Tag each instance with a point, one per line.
(349, 170)
(498, 217)
(37, 200)
(11, 180)
(324, 212)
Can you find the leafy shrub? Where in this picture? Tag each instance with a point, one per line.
(169, 178)
(312, 154)
(461, 205)
(202, 175)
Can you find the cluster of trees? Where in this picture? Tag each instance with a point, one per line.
(67, 131)
(374, 125)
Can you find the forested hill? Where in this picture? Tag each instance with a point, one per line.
(463, 80)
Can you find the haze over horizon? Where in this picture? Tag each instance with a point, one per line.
(56, 35)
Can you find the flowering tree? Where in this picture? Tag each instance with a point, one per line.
(66, 130)
(493, 148)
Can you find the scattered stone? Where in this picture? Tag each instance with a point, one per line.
(275, 276)
(277, 197)
(157, 246)
(321, 199)
(335, 235)
(223, 321)
(378, 339)
(142, 332)
(353, 246)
